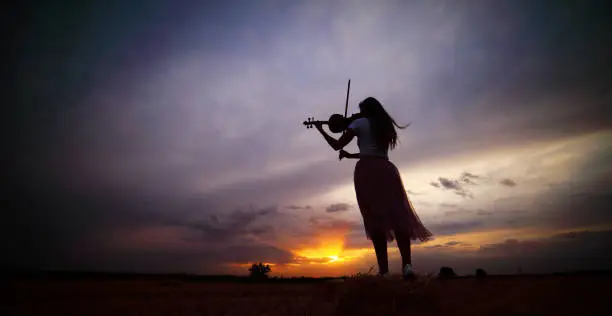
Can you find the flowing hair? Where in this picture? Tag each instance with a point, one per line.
(383, 125)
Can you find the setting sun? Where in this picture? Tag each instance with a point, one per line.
(327, 251)
(329, 255)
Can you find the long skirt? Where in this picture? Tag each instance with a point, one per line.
(383, 201)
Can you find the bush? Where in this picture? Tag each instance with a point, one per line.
(259, 270)
(446, 272)
(481, 273)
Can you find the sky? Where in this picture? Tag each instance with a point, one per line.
(167, 136)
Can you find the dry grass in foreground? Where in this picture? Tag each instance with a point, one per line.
(500, 296)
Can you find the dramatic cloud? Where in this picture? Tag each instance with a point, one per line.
(325, 223)
(588, 245)
(338, 207)
(449, 228)
(458, 212)
(296, 207)
(512, 247)
(468, 178)
(484, 213)
(238, 223)
(458, 185)
(447, 245)
(452, 243)
(450, 184)
(448, 205)
(558, 253)
(507, 182)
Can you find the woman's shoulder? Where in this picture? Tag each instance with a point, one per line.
(360, 121)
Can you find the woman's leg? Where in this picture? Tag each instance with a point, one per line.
(403, 244)
(380, 247)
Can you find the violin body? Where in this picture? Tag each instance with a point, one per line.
(337, 123)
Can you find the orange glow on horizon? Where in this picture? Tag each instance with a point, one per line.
(328, 251)
(330, 258)
(248, 265)
(472, 241)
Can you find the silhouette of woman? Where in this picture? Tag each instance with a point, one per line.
(384, 205)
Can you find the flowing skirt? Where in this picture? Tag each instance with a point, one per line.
(383, 201)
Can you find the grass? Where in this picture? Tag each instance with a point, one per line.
(359, 294)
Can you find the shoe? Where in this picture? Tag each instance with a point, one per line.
(386, 275)
(408, 272)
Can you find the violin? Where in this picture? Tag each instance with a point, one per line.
(337, 123)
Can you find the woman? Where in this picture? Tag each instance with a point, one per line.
(386, 210)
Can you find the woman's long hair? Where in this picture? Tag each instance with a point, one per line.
(382, 124)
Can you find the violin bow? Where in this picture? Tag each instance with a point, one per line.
(348, 89)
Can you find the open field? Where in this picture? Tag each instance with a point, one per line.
(500, 296)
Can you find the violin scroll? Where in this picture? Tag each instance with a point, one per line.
(311, 121)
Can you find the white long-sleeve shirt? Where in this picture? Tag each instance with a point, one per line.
(365, 138)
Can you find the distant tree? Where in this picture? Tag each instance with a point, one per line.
(446, 272)
(259, 270)
(481, 273)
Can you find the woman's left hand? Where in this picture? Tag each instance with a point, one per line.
(342, 154)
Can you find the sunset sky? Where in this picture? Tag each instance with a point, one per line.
(167, 136)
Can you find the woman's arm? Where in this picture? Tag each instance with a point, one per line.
(341, 142)
(344, 154)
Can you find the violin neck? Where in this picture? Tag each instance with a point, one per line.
(310, 123)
